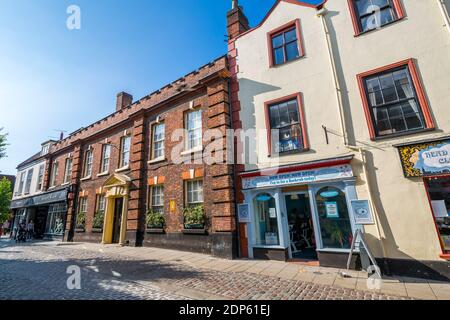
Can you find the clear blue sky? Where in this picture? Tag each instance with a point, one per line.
(55, 78)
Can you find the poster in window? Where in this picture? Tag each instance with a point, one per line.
(361, 212)
(272, 213)
(243, 213)
(271, 238)
(332, 210)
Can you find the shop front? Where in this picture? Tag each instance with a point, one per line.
(430, 160)
(301, 212)
(47, 211)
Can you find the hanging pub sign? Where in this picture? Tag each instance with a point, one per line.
(428, 158)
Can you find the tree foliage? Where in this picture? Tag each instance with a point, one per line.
(3, 143)
(5, 199)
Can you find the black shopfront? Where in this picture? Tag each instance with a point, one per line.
(48, 211)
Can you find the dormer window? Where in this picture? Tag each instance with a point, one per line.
(45, 149)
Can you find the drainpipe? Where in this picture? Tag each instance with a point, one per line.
(445, 13)
(322, 13)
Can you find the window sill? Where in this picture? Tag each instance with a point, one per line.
(154, 231)
(103, 174)
(122, 169)
(275, 66)
(86, 178)
(191, 151)
(52, 187)
(65, 184)
(402, 134)
(161, 159)
(193, 231)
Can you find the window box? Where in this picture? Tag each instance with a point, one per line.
(155, 230)
(194, 231)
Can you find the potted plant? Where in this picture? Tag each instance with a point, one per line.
(80, 223)
(97, 223)
(194, 218)
(154, 221)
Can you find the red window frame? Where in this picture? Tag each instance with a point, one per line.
(417, 83)
(444, 255)
(398, 8)
(295, 23)
(267, 104)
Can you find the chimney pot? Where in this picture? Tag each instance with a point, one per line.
(124, 99)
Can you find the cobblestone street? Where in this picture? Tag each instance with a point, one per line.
(38, 271)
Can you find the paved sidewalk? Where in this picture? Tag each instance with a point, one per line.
(401, 286)
(38, 271)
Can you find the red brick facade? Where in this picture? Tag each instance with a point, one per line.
(205, 89)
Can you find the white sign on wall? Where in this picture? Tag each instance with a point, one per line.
(321, 174)
(244, 213)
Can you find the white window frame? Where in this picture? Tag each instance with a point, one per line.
(190, 193)
(83, 205)
(157, 196)
(125, 154)
(40, 181)
(193, 129)
(68, 170)
(54, 175)
(106, 158)
(28, 181)
(21, 182)
(88, 161)
(155, 141)
(101, 203)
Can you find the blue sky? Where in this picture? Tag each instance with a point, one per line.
(52, 78)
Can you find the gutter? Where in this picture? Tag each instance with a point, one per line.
(445, 13)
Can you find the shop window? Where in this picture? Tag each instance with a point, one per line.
(394, 100)
(106, 156)
(56, 219)
(266, 221)
(286, 125)
(28, 182)
(194, 129)
(372, 14)
(334, 219)
(439, 192)
(125, 146)
(68, 170)
(285, 44)
(158, 137)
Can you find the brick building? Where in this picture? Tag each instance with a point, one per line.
(121, 167)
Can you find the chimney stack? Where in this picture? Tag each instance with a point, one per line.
(237, 22)
(123, 100)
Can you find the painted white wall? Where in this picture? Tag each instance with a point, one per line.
(406, 223)
(34, 181)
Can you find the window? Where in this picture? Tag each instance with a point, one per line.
(28, 183)
(285, 125)
(194, 192)
(99, 215)
(56, 219)
(22, 182)
(106, 155)
(101, 203)
(194, 129)
(371, 14)
(81, 217)
(266, 221)
(334, 219)
(125, 145)
(54, 174)
(394, 100)
(45, 149)
(285, 43)
(68, 170)
(158, 141)
(88, 164)
(157, 199)
(40, 178)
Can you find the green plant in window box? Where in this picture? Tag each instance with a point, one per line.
(99, 217)
(154, 220)
(81, 220)
(194, 217)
